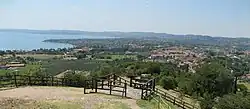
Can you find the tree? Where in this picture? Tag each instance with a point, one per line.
(140, 57)
(168, 82)
(154, 68)
(80, 55)
(233, 101)
(214, 79)
(2, 53)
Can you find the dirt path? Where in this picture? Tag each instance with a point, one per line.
(87, 101)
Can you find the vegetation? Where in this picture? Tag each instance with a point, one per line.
(155, 103)
(111, 105)
(234, 101)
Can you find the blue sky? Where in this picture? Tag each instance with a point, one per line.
(208, 17)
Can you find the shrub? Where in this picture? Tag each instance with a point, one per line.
(168, 82)
(233, 101)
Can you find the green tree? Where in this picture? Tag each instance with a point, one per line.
(168, 82)
(233, 101)
(214, 79)
(80, 55)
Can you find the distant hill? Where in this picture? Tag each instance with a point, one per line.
(105, 33)
(184, 39)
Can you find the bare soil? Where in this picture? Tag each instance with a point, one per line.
(21, 98)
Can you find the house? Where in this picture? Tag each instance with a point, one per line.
(3, 67)
(14, 62)
(247, 76)
(15, 65)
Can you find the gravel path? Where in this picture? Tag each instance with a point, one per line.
(66, 94)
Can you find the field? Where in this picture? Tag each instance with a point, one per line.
(29, 68)
(55, 67)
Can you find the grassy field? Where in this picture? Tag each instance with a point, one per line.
(55, 67)
(29, 68)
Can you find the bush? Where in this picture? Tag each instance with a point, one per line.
(233, 101)
(75, 79)
(168, 82)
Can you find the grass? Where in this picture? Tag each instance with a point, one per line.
(185, 98)
(55, 67)
(111, 105)
(3, 72)
(246, 84)
(153, 104)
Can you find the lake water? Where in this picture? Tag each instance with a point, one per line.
(28, 41)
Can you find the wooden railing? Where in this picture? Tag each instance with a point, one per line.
(25, 80)
(176, 101)
(111, 81)
(108, 82)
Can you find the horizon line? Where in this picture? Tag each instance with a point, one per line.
(123, 32)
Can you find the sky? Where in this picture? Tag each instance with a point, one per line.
(229, 18)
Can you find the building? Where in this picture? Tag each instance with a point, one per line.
(15, 65)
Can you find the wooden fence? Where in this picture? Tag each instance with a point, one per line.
(109, 82)
(176, 101)
(25, 80)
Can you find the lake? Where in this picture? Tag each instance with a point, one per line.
(29, 41)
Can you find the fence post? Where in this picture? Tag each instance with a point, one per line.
(120, 81)
(84, 85)
(63, 81)
(114, 78)
(92, 86)
(154, 85)
(42, 80)
(95, 85)
(57, 82)
(108, 82)
(29, 78)
(142, 92)
(15, 80)
(146, 89)
(130, 82)
(102, 83)
(52, 80)
(110, 88)
(174, 100)
(125, 86)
